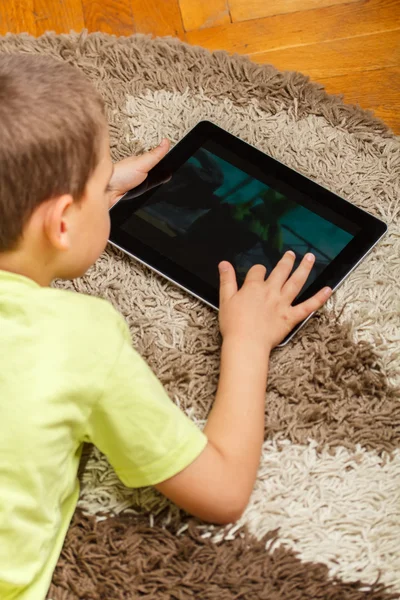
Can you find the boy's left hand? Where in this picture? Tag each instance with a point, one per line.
(131, 172)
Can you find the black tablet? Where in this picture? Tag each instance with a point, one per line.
(214, 197)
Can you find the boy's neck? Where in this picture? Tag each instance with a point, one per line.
(19, 263)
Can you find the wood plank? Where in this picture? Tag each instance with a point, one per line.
(337, 57)
(60, 16)
(198, 14)
(374, 90)
(288, 30)
(159, 17)
(109, 16)
(243, 10)
(17, 16)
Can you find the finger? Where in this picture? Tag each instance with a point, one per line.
(148, 160)
(294, 284)
(228, 283)
(303, 310)
(282, 270)
(256, 273)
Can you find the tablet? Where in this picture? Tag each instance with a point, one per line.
(214, 197)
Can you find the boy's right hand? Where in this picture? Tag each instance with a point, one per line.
(217, 485)
(261, 312)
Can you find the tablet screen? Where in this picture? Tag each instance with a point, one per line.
(217, 206)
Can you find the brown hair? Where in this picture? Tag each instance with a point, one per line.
(51, 126)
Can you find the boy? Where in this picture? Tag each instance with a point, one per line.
(69, 373)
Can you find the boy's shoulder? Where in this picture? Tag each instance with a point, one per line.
(85, 311)
(80, 303)
(85, 322)
(74, 332)
(50, 313)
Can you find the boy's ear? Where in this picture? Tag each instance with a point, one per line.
(58, 220)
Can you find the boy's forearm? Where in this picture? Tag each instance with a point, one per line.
(235, 426)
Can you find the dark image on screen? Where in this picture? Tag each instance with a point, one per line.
(211, 210)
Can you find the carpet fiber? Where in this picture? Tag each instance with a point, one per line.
(324, 517)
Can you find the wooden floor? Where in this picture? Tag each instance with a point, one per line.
(351, 46)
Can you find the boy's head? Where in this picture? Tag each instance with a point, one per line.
(54, 165)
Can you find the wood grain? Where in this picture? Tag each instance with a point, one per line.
(242, 10)
(37, 16)
(337, 57)
(110, 16)
(282, 31)
(58, 15)
(17, 16)
(198, 14)
(159, 17)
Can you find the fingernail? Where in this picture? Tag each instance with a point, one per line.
(310, 257)
(223, 266)
(327, 291)
(291, 253)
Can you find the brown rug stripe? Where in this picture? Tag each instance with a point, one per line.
(333, 390)
(124, 558)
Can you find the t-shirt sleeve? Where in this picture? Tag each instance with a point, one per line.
(145, 436)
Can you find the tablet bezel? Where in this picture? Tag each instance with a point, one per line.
(371, 228)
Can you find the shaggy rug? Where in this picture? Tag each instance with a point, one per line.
(324, 517)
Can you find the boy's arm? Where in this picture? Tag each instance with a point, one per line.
(217, 485)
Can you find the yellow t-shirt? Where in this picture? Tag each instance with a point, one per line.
(69, 374)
